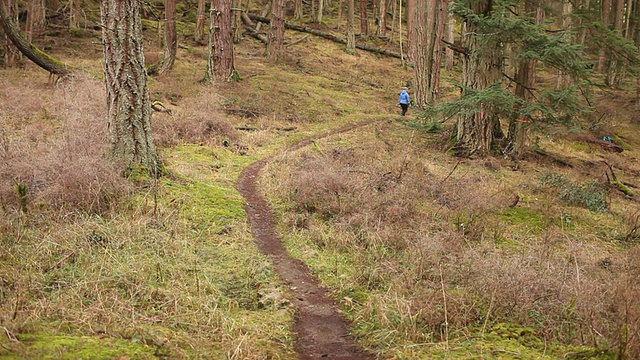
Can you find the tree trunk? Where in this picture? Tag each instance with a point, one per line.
(420, 58)
(297, 11)
(35, 18)
(12, 54)
(441, 11)
(606, 17)
(320, 11)
(563, 79)
(276, 31)
(45, 61)
(615, 71)
(200, 20)
(525, 81)
(382, 18)
(128, 103)
(412, 34)
(237, 21)
(481, 69)
(221, 59)
(425, 21)
(351, 35)
(450, 38)
(170, 38)
(364, 18)
(74, 13)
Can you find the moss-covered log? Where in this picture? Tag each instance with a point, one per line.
(39, 57)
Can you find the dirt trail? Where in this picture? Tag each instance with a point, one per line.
(321, 332)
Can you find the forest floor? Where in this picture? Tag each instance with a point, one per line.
(364, 238)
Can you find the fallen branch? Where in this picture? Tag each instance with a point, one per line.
(243, 112)
(297, 41)
(327, 36)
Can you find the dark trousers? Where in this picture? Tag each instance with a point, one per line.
(404, 107)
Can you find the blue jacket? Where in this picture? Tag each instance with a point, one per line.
(404, 97)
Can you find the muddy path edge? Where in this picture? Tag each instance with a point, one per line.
(321, 331)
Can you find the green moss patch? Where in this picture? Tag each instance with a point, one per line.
(37, 346)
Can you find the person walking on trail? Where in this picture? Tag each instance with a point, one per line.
(404, 100)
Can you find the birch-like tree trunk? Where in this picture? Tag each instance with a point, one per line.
(128, 103)
(170, 38)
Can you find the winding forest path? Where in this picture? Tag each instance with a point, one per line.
(321, 332)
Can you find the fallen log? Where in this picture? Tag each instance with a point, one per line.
(327, 36)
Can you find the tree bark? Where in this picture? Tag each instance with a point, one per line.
(12, 54)
(382, 18)
(525, 81)
(128, 103)
(170, 38)
(351, 36)
(221, 59)
(40, 58)
(450, 38)
(74, 13)
(412, 26)
(318, 17)
(606, 17)
(364, 18)
(441, 10)
(35, 18)
(563, 79)
(481, 69)
(297, 11)
(276, 30)
(200, 21)
(615, 70)
(237, 21)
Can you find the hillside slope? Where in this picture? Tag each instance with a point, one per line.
(429, 255)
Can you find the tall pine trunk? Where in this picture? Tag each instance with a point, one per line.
(221, 59)
(482, 67)
(128, 103)
(364, 18)
(525, 81)
(275, 47)
(35, 18)
(200, 21)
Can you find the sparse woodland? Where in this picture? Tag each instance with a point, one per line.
(498, 220)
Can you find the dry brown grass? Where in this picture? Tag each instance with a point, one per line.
(428, 243)
(54, 142)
